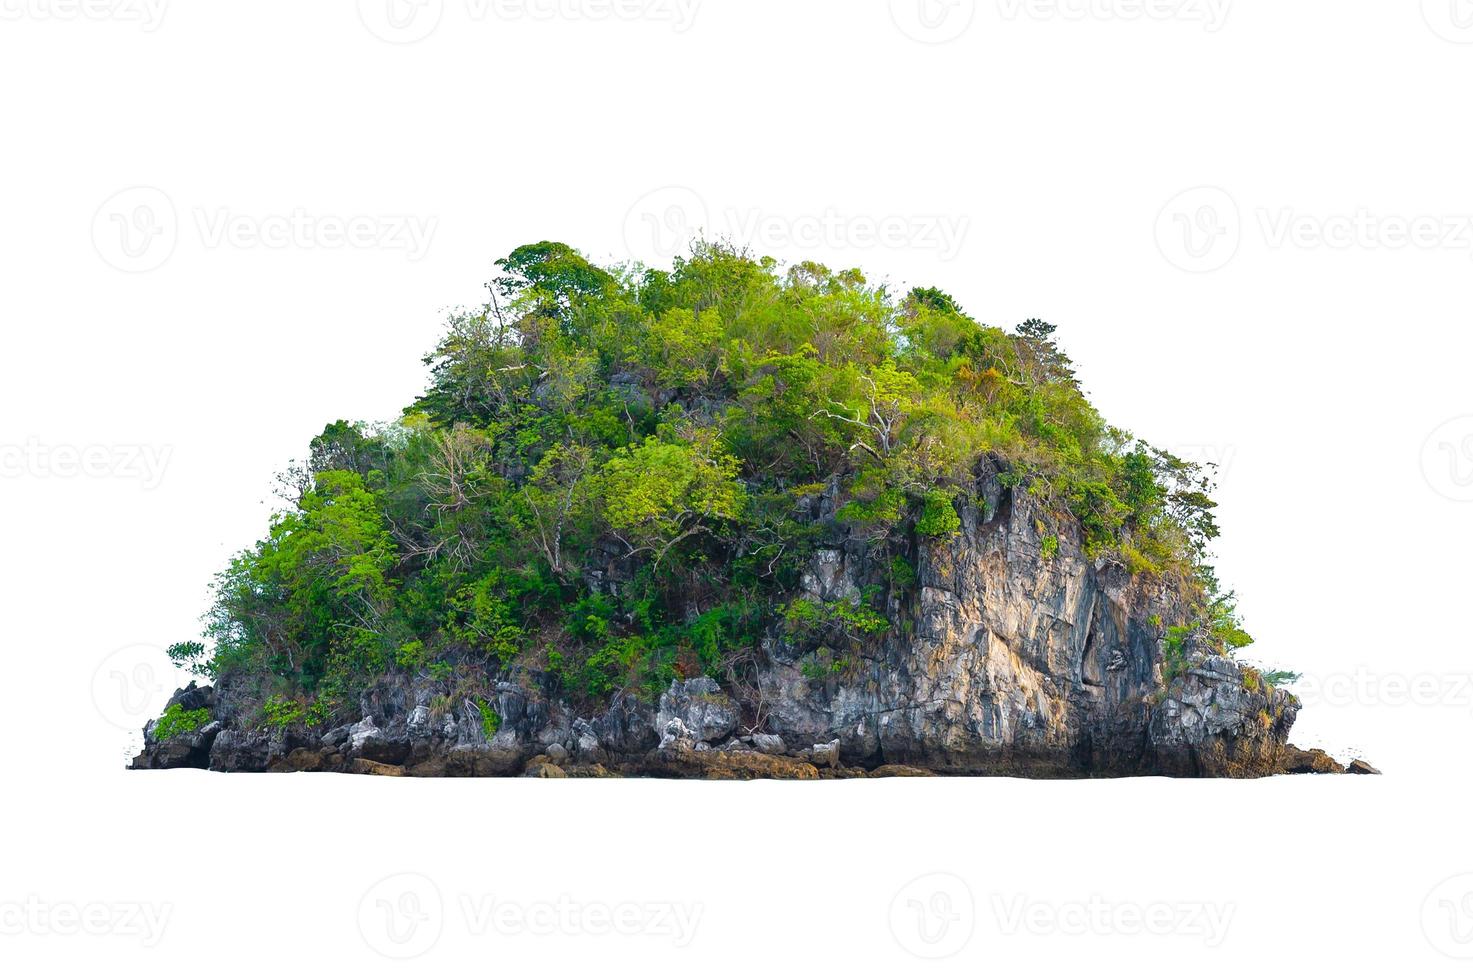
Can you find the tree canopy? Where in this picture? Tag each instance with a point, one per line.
(669, 425)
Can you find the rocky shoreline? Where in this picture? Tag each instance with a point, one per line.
(623, 743)
(1013, 659)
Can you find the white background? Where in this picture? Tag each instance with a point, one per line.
(1250, 220)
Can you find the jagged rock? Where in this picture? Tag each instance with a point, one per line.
(770, 744)
(586, 746)
(240, 751)
(418, 725)
(542, 768)
(194, 697)
(189, 751)
(1360, 767)
(826, 754)
(362, 732)
(699, 703)
(1303, 761)
(676, 737)
(1019, 660)
(184, 750)
(826, 578)
(627, 727)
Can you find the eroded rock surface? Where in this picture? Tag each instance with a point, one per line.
(1012, 659)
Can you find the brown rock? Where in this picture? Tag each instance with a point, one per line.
(893, 770)
(595, 771)
(540, 768)
(1297, 760)
(688, 763)
(298, 760)
(367, 767)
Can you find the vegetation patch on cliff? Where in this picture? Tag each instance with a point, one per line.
(611, 482)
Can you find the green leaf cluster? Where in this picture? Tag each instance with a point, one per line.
(177, 721)
(617, 476)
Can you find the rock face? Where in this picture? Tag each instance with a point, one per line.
(1009, 658)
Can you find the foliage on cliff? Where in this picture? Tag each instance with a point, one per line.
(606, 479)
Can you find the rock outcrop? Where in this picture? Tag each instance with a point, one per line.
(1007, 657)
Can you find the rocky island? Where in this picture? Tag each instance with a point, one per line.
(731, 520)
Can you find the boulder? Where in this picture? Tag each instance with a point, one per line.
(770, 744)
(366, 767)
(541, 768)
(708, 713)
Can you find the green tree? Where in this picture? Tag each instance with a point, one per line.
(660, 493)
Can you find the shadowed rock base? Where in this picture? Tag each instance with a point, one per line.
(366, 749)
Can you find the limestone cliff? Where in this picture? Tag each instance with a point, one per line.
(1010, 659)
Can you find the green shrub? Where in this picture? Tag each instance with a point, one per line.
(626, 465)
(1174, 655)
(411, 656)
(490, 720)
(939, 518)
(279, 712)
(823, 664)
(809, 619)
(177, 721)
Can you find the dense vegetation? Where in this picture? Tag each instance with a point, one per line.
(668, 424)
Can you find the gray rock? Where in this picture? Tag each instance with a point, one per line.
(675, 737)
(1012, 663)
(361, 732)
(701, 705)
(770, 744)
(240, 751)
(586, 747)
